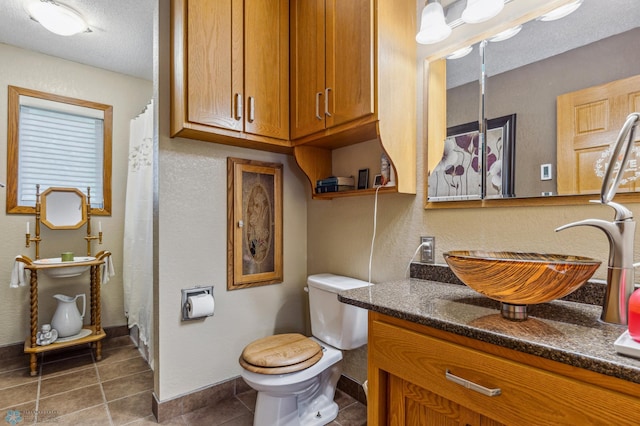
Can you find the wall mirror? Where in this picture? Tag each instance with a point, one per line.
(63, 208)
(524, 76)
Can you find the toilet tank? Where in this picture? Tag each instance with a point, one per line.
(335, 323)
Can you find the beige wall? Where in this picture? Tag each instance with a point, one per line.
(128, 96)
(340, 232)
(192, 251)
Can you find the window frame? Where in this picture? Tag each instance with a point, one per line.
(13, 144)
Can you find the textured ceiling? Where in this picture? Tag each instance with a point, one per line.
(121, 39)
(594, 20)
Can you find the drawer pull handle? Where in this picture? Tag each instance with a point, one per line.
(473, 386)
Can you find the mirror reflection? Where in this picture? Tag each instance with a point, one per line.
(63, 208)
(525, 75)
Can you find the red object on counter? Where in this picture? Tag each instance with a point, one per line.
(634, 316)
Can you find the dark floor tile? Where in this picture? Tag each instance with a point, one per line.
(217, 414)
(134, 407)
(67, 365)
(148, 421)
(342, 399)
(115, 342)
(72, 401)
(244, 420)
(66, 382)
(22, 414)
(353, 415)
(16, 395)
(95, 416)
(128, 385)
(249, 398)
(69, 352)
(14, 363)
(110, 371)
(119, 353)
(16, 377)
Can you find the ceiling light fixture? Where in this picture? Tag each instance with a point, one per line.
(481, 10)
(460, 53)
(561, 12)
(433, 27)
(506, 34)
(57, 17)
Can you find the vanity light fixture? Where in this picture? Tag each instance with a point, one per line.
(481, 10)
(460, 53)
(506, 34)
(433, 27)
(57, 17)
(561, 12)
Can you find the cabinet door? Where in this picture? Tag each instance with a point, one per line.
(214, 62)
(307, 67)
(266, 62)
(349, 60)
(410, 404)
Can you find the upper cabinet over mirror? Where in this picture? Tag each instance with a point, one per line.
(536, 154)
(63, 208)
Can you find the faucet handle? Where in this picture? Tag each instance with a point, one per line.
(622, 213)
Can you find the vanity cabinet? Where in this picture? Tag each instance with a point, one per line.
(230, 72)
(353, 80)
(421, 375)
(96, 332)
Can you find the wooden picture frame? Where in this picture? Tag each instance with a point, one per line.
(254, 223)
(456, 177)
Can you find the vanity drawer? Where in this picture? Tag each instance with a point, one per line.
(522, 394)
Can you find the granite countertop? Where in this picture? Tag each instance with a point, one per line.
(563, 331)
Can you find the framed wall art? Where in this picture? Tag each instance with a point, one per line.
(254, 223)
(457, 176)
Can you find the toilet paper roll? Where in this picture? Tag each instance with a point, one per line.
(200, 305)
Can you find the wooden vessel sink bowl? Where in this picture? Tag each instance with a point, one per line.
(518, 279)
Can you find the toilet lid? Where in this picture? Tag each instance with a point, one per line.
(280, 354)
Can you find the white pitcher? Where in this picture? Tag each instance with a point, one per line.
(67, 320)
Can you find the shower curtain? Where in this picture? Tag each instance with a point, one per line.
(137, 253)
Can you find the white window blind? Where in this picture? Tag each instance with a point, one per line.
(59, 149)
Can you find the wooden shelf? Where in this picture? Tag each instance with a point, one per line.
(356, 192)
(93, 337)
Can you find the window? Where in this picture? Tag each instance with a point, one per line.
(60, 142)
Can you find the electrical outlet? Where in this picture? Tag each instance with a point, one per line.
(428, 252)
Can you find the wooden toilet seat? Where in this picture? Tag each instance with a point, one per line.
(280, 354)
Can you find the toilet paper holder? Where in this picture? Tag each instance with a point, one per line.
(195, 291)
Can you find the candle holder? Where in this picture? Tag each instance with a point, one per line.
(37, 238)
(90, 237)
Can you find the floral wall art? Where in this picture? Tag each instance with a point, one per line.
(458, 174)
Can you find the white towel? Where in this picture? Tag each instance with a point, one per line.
(18, 274)
(107, 270)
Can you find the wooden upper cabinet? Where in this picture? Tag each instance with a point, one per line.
(266, 64)
(230, 72)
(331, 64)
(353, 80)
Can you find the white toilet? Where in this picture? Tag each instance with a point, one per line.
(296, 376)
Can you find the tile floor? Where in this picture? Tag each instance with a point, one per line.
(73, 389)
